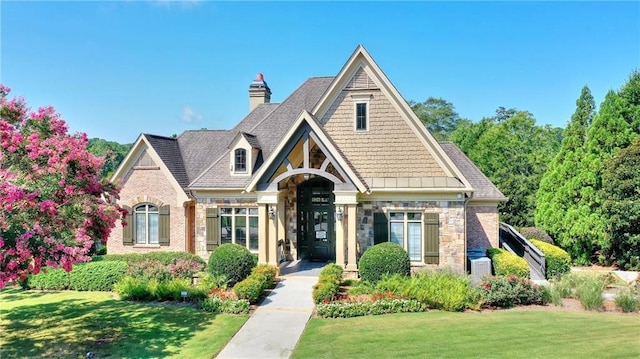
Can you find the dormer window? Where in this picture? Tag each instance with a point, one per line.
(361, 111)
(241, 160)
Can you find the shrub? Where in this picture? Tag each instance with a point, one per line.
(328, 285)
(163, 257)
(506, 263)
(558, 262)
(362, 287)
(439, 289)
(231, 260)
(130, 288)
(98, 276)
(249, 289)
(380, 306)
(208, 281)
(269, 272)
(585, 287)
(537, 234)
(509, 291)
(627, 301)
(149, 269)
(384, 258)
(228, 306)
(393, 283)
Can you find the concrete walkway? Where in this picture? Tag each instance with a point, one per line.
(275, 327)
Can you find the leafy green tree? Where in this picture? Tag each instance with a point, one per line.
(558, 191)
(621, 207)
(438, 115)
(513, 152)
(112, 152)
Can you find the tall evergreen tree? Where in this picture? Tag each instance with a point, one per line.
(614, 128)
(557, 192)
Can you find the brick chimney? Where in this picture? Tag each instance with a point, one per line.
(259, 92)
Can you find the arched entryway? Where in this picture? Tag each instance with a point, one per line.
(316, 220)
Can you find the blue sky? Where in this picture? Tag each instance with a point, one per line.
(116, 69)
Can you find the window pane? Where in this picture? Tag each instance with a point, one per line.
(253, 233)
(415, 216)
(141, 228)
(225, 230)
(226, 210)
(153, 228)
(397, 233)
(241, 160)
(153, 208)
(253, 211)
(361, 116)
(414, 241)
(241, 210)
(241, 230)
(396, 216)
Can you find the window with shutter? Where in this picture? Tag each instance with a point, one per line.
(127, 228)
(212, 228)
(431, 238)
(164, 226)
(380, 228)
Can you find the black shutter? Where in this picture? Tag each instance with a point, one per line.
(431, 238)
(212, 229)
(164, 226)
(380, 228)
(127, 229)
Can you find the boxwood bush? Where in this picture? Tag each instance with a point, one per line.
(384, 258)
(380, 306)
(164, 257)
(262, 277)
(506, 263)
(328, 285)
(91, 276)
(233, 261)
(558, 262)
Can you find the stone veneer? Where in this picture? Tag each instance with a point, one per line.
(452, 234)
(202, 203)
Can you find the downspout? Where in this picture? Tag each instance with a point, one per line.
(466, 232)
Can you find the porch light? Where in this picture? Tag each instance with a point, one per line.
(339, 214)
(272, 213)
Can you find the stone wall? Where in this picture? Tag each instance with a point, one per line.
(451, 216)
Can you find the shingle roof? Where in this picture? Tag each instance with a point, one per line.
(168, 150)
(269, 130)
(484, 188)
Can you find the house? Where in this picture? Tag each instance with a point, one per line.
(340, 165)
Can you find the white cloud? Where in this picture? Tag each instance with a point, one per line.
(189, 115)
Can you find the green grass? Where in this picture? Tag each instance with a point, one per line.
(501, 334)
(70, 324)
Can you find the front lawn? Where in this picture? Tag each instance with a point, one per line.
(69, 324)
(500, 334)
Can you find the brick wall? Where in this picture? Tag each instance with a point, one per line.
(149, 185)
(482, 226)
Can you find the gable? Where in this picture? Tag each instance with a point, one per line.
(394, 149)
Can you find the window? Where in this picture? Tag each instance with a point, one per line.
(241, 160)
(239, 226)
(146, 224)
(361, 116)
(405, 229)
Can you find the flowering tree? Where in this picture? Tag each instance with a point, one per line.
(53, 203)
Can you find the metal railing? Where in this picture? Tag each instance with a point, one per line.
(514, 242)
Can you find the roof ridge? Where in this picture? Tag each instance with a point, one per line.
(159, 136)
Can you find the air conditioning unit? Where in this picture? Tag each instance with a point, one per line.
(480, 267)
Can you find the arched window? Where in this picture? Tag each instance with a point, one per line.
(146, 223)
(241, 160)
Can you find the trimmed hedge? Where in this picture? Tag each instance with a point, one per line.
(506, 263)
(384, 258)
(328, 285)
(233, 261)
(164, 257)
(380, 306)
(91, 276)
(558, 262)
(262, 277)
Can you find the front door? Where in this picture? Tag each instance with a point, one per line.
(316, 233)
